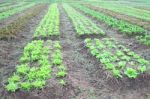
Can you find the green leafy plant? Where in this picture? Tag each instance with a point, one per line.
(14, 78)
(37, 68)
(119, 53)
(122, 64)
(94, 52)
(61, 74)
(62, 67)
(22, 69)
(117, 58)
(26, 85)
(143, 61)
(49, 25)
(62, 82)
(32, 74)
(57, 61)
(122, 26)
(57, 45)
(109, 66)
(117, 73)
(12, 87)
(38, 84)
(142, 69)
(131, 73)
(126, 58)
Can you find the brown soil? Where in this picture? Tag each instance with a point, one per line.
(87, 79)
(143, 23)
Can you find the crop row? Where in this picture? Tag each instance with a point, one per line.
(6, 8)
(145, 39)
(116, 58)
(82, 24)
(49, 26)
(125, 9)
(122, 26)
(11, 30)
(36, 66)
(5, 4)
(10, 12)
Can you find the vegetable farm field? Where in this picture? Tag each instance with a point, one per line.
(74, 49)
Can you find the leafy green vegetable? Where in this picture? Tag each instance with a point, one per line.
(62, 82)
(131, 73)
(117, 73)
(12, 87)
(26, 86)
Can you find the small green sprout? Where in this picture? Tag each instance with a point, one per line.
(61, 74)
(109, 66)
(57, 61)
(62, 82)
(142, 69)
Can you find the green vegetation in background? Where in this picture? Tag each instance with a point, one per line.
(124, 9)
(82, 24)
(10, 12)
(123, 26)
(6, 8)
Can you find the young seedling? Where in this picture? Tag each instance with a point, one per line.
(61, 74)
(62, 82)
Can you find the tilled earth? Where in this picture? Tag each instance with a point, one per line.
(86, 79)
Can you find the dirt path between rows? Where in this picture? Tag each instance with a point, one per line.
(11, 50)
(86, 75)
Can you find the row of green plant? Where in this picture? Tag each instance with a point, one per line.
(124, 9)
(10, 12)
(6, 8)
(122, 26)
(82, 24)
(5, 4)
(36, 66)
(57, 61)
(116, 58)
(12, 29)
(49, 26)
(145, 39)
